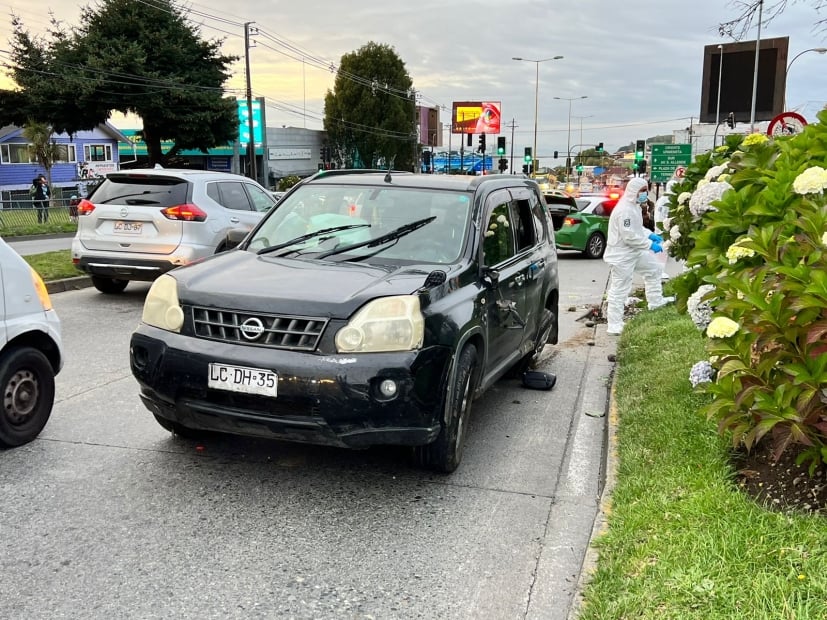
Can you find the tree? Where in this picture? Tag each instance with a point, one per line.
(42, 146)
(132, 57)
(369, 115)
(738, 27)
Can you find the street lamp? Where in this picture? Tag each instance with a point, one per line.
(568, 139)
(820, 50)
(536, 98)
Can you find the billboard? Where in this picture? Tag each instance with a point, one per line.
(244, 124)
(736, 62)
(475, 117)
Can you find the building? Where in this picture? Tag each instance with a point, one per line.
(85, 157)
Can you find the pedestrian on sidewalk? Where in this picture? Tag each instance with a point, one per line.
(39, 191)
(629, 249)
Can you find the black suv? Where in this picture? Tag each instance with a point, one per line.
(366, 308)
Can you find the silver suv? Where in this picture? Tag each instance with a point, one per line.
(139, 224)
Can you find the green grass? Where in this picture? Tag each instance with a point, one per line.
(53, 265)
(682, 542)
(21, 222)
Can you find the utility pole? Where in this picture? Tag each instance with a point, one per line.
(415, 134)
(251, 145)
(512, 125)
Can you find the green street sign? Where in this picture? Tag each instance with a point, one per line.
(666, 158)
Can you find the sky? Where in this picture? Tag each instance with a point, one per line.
(638, 63)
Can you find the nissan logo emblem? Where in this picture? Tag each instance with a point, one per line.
(124, 211)
(252, 328)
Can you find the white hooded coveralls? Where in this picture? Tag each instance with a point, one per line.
(628, 251)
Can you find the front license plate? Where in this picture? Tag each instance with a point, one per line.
(128, 228)
(243, 379)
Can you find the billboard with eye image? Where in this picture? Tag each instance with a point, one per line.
(475, 117)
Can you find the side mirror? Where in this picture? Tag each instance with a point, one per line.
(491, 277)
(236, 236)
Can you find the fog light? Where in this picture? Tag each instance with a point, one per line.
(388, 388)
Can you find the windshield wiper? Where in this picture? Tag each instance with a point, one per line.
(305, 237)
(144, 193)
(386, 238)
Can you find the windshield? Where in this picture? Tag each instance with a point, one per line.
(349, 217)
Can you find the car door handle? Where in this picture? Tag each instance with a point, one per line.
(519, 279)
(234, 220)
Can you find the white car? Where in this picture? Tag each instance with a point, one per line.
(139, 224)
(31, 352)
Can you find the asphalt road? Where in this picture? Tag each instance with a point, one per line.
(108, 516)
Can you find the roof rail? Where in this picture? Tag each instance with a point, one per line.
(348, 171)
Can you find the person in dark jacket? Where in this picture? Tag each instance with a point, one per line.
(40, 198)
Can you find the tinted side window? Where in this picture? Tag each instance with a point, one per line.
(233, 196)
(539, 216)
(498, 238)
(262, 200)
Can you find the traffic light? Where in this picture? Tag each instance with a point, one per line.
(730, 120)
(641, 165)
(527, 157)
(503, 165)
(426, 159)
(481, 147)
(579, 169)
(323, 153)
(555, 154)
(599, 147)
(640, 149)
(501, 145)
(525, 169)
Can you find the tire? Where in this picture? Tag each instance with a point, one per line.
(182, 431)
(109, 286)
(27, 381)
(595, 246)
(445, 453)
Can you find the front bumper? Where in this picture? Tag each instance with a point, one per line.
(322, 399)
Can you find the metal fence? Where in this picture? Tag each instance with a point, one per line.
(24, 216)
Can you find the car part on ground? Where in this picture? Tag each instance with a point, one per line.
(368, 308)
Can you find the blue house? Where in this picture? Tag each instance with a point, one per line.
(85, 156)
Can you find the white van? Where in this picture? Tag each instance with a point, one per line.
(31, 352)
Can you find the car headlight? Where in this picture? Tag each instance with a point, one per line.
(386, 324)
(161, 308)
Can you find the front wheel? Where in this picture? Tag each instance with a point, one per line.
(445, 453)
(27, 380)
(110, 286)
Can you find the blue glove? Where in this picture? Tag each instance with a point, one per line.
(656, 247)
(655, 238)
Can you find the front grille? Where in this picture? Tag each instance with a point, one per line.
(296, 333)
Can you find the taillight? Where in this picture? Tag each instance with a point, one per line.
(85, 207)
(185, 213)
(571, 221)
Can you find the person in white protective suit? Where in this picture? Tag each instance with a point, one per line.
(629, 249)
(662, 213)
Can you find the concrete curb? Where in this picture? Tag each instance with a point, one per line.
(68, 284)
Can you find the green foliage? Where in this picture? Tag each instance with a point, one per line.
(369, 119)
(44, 149)
(134, 57)
(287, 182)
(764, 251)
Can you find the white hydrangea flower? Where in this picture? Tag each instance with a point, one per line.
(724, 178)
(493, 226)
(501, 219)
(703, 197)
(722, 327)
(736, 252)
(754, 138)
(700, 184)
(675, 233)
(824, 239)
(699, 309)
(489, 233)
(811, 181)
(716, 171)
(684, 197)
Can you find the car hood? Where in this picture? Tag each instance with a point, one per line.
(241, 280)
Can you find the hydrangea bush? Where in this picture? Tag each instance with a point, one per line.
(762, 248)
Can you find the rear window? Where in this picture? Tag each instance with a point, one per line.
(141, 190)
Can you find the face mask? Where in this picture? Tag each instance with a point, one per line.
(642, 197)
